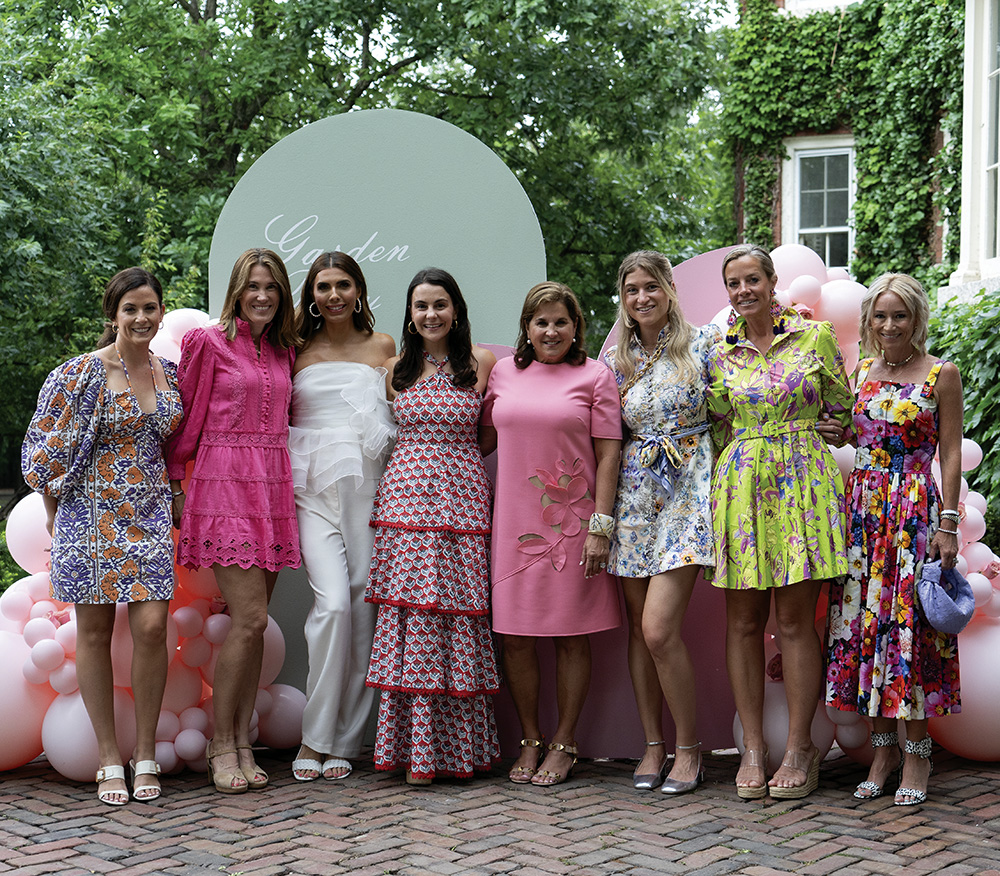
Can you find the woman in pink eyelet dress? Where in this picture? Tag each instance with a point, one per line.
(239, 515)
(432, 657)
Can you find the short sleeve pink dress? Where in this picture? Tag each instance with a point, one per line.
(546, 417)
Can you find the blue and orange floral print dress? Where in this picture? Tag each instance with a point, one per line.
(883, 658)
(776, 495)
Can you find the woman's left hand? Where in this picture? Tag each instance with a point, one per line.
(945, 547)
(830, 430)
(595, 555)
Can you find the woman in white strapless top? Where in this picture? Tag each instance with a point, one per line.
(340, 438)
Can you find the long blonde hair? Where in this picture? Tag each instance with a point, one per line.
(679, 330)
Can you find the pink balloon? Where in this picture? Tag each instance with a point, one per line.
(978, 555)
(16, 605)
(264, 702)
(805, 289)
(792, 260)
(216, 628)
(37, 629)
(44, 608)
(841, 305)
(39, 586)
(189, 621)
(20, 739)
(166, 347)
(282, 726)
(166, 756)
(69, 740)
(852, 355)
(208, 669)
(852, 735)
(973, 527)
(784, 299)
(168, 725)
(962, 566)
(844, 457)
(47, 654)
(721, 319)
(842, 718)
(190, 744)
(32, 674)
(992, 607)
(177, 323)
(982, 589)
(274, 653)
(183, 688)
(63, 678)
(195, 719)
(27, 539)
(972, 454)
(963, 489)
(972, 733)
(977, 500)
(837, 274)
(66, 636)
(195, 652)
(197, 582)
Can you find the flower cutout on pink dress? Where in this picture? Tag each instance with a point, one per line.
(566, 507)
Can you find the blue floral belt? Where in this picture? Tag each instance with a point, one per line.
(662, 456)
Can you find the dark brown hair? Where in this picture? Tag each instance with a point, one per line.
(118, 286)
(551, 293)
(305, 323)
(282, 332)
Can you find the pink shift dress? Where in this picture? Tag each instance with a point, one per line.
(546, 417)
(240, 507)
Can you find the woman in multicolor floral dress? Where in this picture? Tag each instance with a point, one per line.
(663, 526)
(94, 452)
(884, 660)
(776, 507)
(432, 657)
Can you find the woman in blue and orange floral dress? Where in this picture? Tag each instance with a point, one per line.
(884, 660)
(776, 507)
(94, 452)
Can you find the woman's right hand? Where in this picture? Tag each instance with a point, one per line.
(177, 509)
(830, 430)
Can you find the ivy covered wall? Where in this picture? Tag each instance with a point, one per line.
(889, 70)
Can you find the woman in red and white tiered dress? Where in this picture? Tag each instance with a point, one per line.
(433, 653)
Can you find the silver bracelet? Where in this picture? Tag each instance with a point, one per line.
(948, 531)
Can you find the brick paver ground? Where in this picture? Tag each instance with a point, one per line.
(373, 823)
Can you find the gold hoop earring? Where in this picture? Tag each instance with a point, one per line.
(411, 328)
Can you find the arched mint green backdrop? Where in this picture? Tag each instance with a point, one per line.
(399, 191)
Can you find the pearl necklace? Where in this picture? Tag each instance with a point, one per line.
(898, 364)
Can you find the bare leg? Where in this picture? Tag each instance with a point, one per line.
(148, 624)
(523, 678)
(238, 666)
(916, 769)
(94, 625)
(645, 683)
(802, 665)
(746, 617)
(666, 602)
(572, 682)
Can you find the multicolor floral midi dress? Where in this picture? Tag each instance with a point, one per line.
(883, 658)
(432, 657)
(100, 455)
(656, 531)
(776, 497)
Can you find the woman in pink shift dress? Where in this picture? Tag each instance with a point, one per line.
(239, 516)
(555, 418)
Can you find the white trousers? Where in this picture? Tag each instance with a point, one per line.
(336, 543)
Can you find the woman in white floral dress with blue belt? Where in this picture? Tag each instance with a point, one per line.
(663, 528)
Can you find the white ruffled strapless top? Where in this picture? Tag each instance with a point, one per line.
(341, 426)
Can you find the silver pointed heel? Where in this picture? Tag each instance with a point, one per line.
(675, 786)
(649, 781)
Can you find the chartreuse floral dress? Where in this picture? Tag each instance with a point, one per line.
(883, 658)
(776, 496)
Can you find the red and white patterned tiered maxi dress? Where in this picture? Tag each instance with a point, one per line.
(432, 656)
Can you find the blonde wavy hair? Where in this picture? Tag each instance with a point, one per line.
(679, 330)
(914, 300)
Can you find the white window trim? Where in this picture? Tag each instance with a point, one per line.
(806, 146)
(973, 264)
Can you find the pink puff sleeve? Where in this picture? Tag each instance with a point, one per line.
(195, 379)
(606, 410)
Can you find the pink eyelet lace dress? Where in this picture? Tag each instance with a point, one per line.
(240, 506)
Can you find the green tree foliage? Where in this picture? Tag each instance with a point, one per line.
(123, 127)
(890, 71)
(966, 334)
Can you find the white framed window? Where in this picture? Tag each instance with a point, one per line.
(817, 196)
